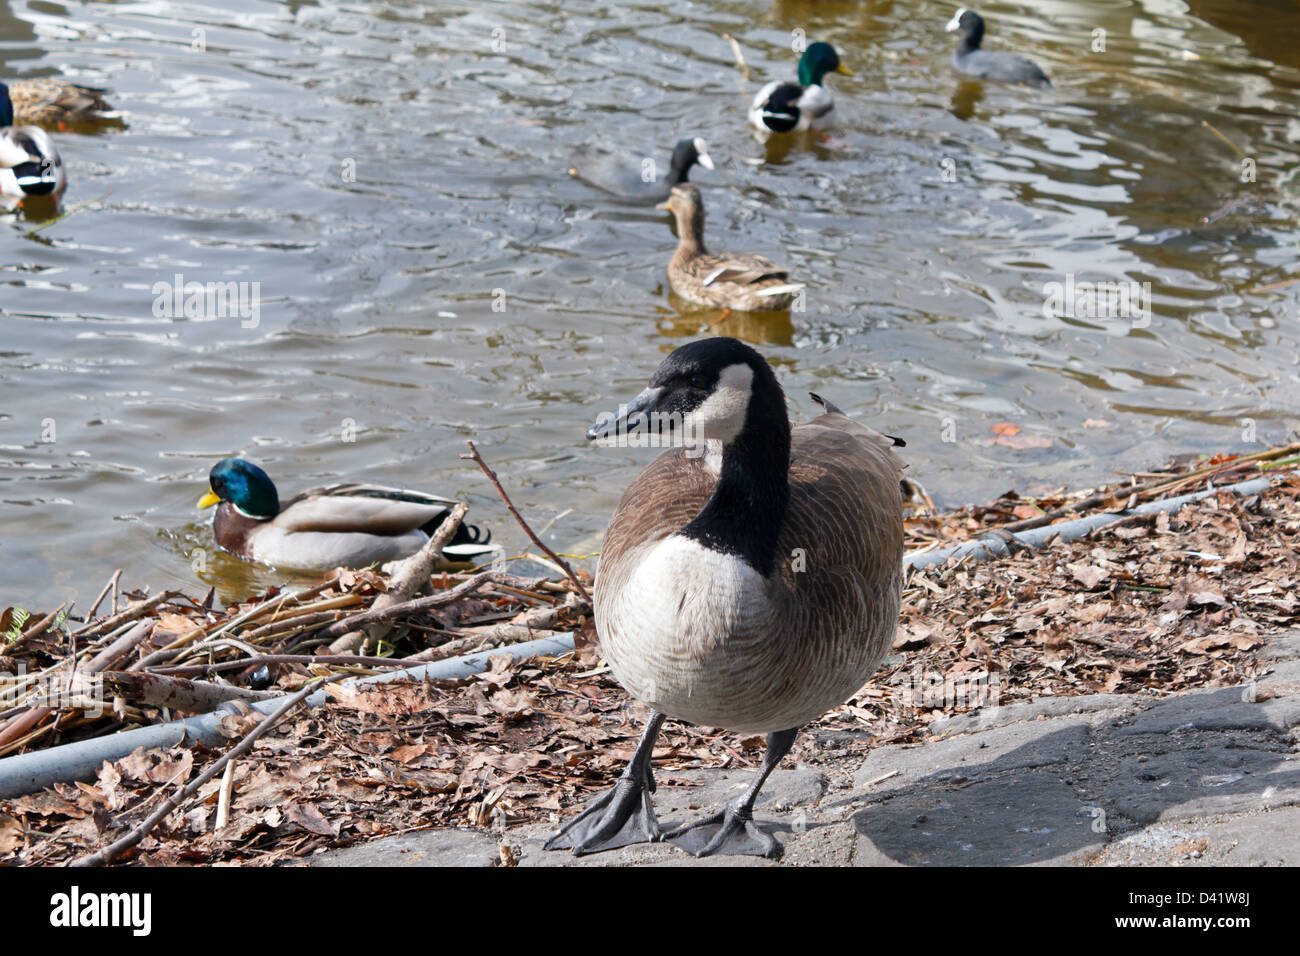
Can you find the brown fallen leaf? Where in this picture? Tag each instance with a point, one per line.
(1089, 575)
(110, 780)
(11, 834)
(309, 817)
(1022, 441)
(411, 752)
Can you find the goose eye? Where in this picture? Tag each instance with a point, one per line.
(700, 383)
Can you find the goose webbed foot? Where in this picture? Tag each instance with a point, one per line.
(730, 830)
(622, 815)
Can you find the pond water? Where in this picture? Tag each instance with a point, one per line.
(392, 177)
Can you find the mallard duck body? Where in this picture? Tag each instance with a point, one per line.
(29, 163)
(783, 106)
(343, 525)
(742, 281)
(48, 101)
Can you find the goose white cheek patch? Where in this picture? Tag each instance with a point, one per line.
(721, 416)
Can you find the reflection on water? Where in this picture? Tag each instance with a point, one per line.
(393, 178)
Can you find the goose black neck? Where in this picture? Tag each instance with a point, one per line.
(745, 514)
(971, 38)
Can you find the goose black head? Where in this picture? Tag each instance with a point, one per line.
(245, 486)
(6, 107)
(971, 24)
(713, 389)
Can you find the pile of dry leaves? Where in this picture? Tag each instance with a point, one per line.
(1145, 606)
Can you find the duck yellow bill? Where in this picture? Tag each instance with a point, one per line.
(208, 500)
(845, 70)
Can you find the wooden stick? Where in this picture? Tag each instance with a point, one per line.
(1236, 148)
(740, 57)
(1273, 285)
(475, 457)
(536, 624)
(394, 611)
(224, 795)
(71, 212)
(194, 696)
(286, 659)
(173, 649)
(410, 577)
(1164, 483)
(136, 610)
(36, 629)
(120, 647)
(19, 726)
(115, 849)
(103, 594)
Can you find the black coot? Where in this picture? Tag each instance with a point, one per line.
(635, 179)
(985, 65)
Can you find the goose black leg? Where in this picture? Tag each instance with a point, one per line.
(622, 815)
(731, 829)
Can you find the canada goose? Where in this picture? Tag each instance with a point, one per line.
(636, 180)
(49, 101)
(968, 58)
(782, 106)
(750, 578)
(348, 525)
(29, 163)
(734, 280)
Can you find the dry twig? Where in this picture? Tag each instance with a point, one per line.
(475, 457)
(115, 849)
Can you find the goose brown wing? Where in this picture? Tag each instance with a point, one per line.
(668, 493)
(842, 541)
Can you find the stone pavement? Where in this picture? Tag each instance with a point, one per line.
(1202, 777)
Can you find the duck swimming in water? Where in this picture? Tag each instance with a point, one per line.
(345, 525)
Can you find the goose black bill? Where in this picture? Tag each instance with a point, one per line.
(630, 417)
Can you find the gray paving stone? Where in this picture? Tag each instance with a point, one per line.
(1250, 839)
(1044, 707)
(955, 760)
(1199, 778)
(1203, 777)
(420, 848)
(784, 804)
(1280, 647)
(1028, 817)
(1219, 709)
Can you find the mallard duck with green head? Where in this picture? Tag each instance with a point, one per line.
(739, 281)
(49, 101)
(344, 525)
(783, 107)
